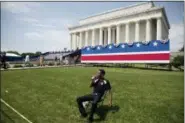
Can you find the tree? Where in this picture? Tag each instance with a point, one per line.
(65, 49)
(29, 53)
(178, 61)
(14, 52)
(182, 49)
(38, 53)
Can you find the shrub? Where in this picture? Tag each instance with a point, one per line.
(38, 64)
(8, 65)
(50, 64)
(163, 65)
(170, 66)
(58, 63)
(17, 65)
(29, 65)
(178, 61)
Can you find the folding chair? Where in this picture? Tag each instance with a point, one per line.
(100, 102)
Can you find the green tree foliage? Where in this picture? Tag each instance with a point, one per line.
(178, 61)
(182, 49)
(14, 52)
(38, 53)
(29, 53)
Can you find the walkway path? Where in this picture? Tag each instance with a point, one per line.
(23, 68)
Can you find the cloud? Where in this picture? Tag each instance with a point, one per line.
(28, 19)
(43, 25)
(63, 22)
(56, 23)
(176, 35)
(19, 7)
(44, 33)
(33, 35)
(51, 39)
(49, 34)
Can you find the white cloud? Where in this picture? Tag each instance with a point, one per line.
(51, 39)
(176, 35)
(56, 23)
(63, 22)
(33, 35)
(28, 19)
(19, 7)
(45, 33)
(44, 25)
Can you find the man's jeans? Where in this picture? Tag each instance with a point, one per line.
(95, 98)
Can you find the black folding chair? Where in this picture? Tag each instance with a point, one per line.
(100, 102)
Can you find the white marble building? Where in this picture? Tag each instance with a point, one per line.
(141, 22)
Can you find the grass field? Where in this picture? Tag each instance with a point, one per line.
(49, 95)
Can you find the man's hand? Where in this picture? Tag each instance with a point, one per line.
(93, 78)
(110, 103)
(110, 98)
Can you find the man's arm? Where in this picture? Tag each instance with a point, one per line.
(109, 89)
(110, 97)
(94, 80)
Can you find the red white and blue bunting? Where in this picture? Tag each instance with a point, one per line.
(155, 51)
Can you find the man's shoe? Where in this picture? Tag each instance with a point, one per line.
(90, 120)
(84, 115)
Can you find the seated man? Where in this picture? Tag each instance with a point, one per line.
(100, 85)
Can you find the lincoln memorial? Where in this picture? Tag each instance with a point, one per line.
(140, 22)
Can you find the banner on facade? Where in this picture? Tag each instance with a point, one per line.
(156, 51)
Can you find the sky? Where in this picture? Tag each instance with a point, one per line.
(43, 26)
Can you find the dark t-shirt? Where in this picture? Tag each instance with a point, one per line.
(100, 86)
(3, 59)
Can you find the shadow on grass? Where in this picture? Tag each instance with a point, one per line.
(103, 110)
(6, 117)
(157, 69)
(136, 67)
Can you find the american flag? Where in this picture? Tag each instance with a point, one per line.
(155, 51)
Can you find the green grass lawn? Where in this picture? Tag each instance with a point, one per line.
(49, 95)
